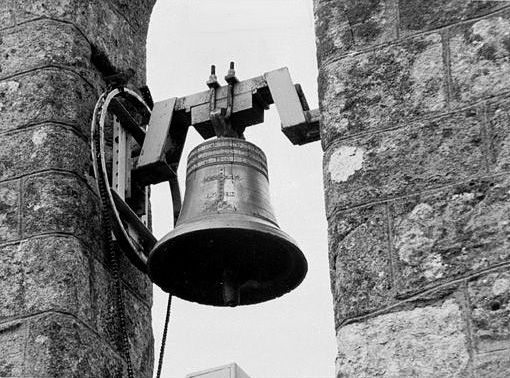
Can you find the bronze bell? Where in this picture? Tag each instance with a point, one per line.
(227, 248)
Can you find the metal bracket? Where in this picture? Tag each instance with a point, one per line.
(240, 103)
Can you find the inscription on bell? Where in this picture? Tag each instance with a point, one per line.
(223, 197)
(220, 177)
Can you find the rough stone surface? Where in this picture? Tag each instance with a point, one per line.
(418, 15)
(480, 59)
(60, 203)
(493, 365)
(424, 342)
(490, 309)
(139, 283)
(58, 345)
(498, 118)
(42, 43)
(359, 261)
(44, 96)
(136, 14)
(12, 343)
(33, 149)
(382, 88)
(108, 26)
(44, 274)
(415, 115)
(9, 211)
(138, 318)
(446, 234)
(54, 55)
(347, 26)
(420, 155)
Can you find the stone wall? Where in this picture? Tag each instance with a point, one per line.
(415, 102)
(57, 315)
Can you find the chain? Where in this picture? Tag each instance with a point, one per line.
(119, 297)
(163, 339)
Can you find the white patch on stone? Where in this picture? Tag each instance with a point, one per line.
(488, 29)
(424, 342)
(344, 162)
(41, 339)
(501, 286)
(38, 137)
(343, 124)
(9, 86)
(8, 196)
(421, 211)
(6, 88)
(433, 266)
(464, 196)
(415, 237)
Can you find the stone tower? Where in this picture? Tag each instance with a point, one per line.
(57, 315)
(415, 107)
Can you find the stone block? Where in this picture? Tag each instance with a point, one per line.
(498, 134)
(58, 345)
(480, 59)
(42, 43)
(43, 147)
(418, 156)
(137, 281)
(137, 13)
(138, 320)
(382, 88)
(117, 46)
(347, 26)
(12, 347)
(443, 235)
(45, 274)
(9, 211)
(361, 278)
(48, 95)
(419, 15)
(59, 202)
(490, 311)
(424, 342)
(492, 365)
(6, 14)
(139, 324)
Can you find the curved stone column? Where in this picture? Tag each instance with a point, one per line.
(415, 127)
(57, 315)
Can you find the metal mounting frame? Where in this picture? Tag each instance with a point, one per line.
(162, 149)
(161, 134)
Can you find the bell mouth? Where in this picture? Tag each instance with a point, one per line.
(227, 264)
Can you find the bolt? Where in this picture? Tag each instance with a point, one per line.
(213, 80)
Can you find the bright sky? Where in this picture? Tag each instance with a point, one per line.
(293, 336)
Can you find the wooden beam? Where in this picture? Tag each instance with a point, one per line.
(152, 166)
(202, 98)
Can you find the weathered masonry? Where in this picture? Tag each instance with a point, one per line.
(415, 101)
(56, 297)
